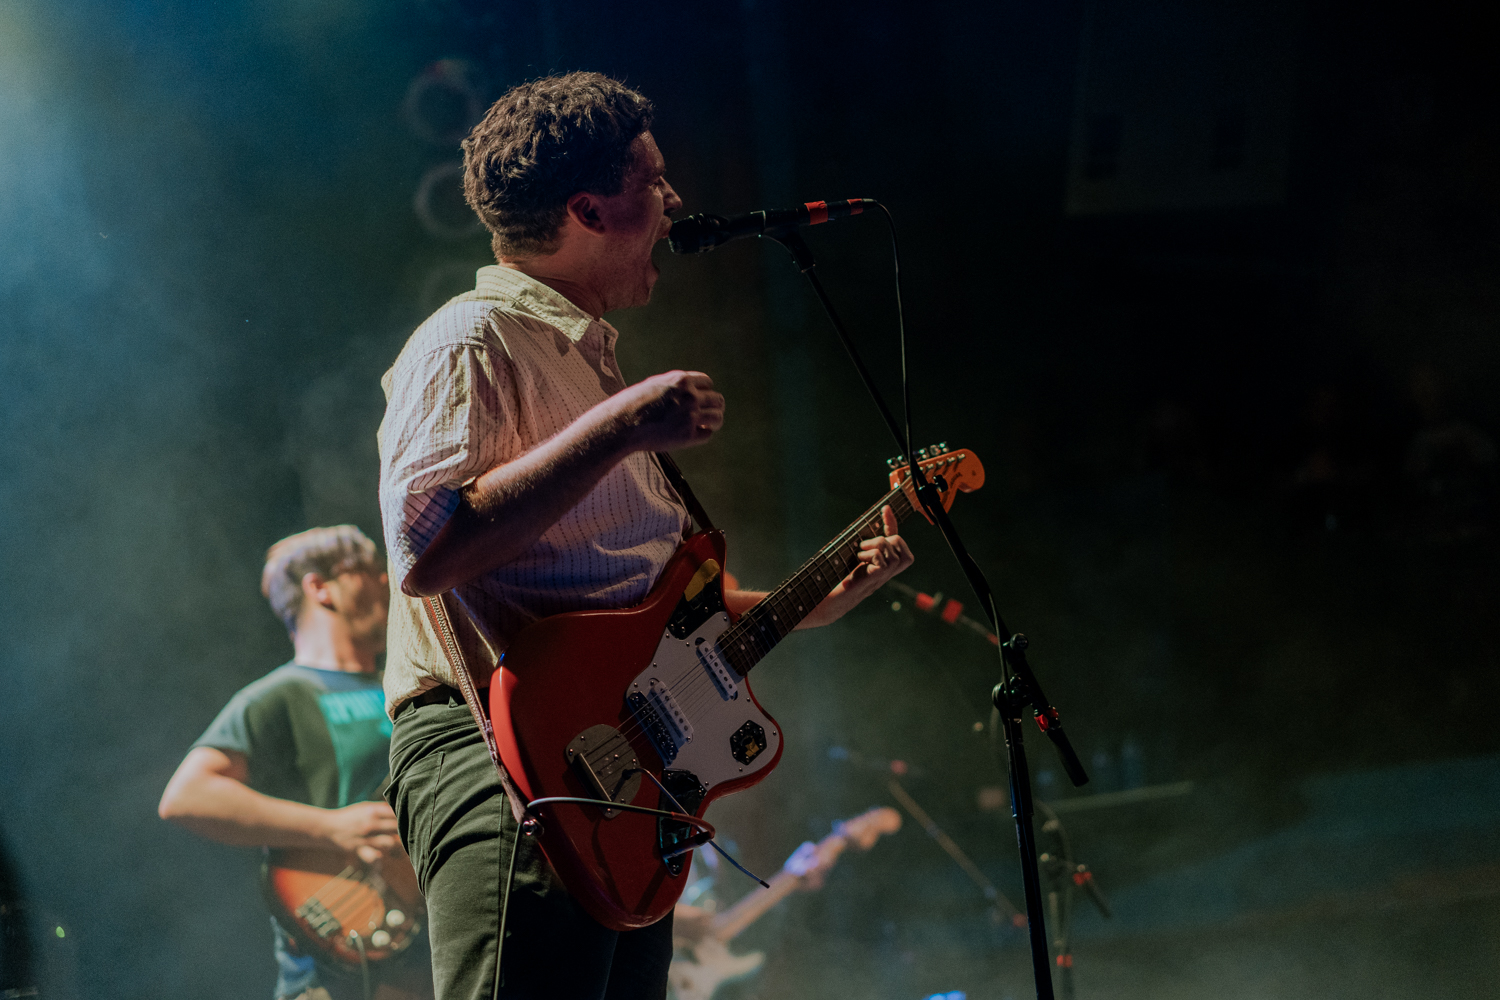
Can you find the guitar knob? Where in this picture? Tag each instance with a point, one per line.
(395, 918)
(380, 939)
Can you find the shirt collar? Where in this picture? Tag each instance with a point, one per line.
(530, 295)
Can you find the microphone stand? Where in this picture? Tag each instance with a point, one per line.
(1018, 689)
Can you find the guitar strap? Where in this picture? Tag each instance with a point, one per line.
(680, 484)
(442, 626)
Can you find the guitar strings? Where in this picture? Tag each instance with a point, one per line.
(697, 690)
(691, 692)
(351, 885)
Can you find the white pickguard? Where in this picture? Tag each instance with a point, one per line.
(695, 692)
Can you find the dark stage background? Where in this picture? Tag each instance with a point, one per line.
(1210, 287)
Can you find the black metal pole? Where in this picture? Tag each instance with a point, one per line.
(1018, 688)
(1020, 810)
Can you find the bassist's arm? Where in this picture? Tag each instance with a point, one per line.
(208, 795)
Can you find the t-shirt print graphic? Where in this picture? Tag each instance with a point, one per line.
(361, 735)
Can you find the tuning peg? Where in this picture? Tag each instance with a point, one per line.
(921, 454)
(939, 448)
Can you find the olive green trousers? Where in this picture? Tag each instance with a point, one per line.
(458, 828)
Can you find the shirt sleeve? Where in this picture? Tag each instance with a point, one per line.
(449, 418)
(230, 729)
(257, 722)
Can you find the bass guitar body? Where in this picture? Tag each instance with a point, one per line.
(343, 909)
(632, 706)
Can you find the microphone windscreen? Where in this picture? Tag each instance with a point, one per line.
(695, 234)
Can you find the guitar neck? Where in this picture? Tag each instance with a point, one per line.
(763, 626)
(752, 907)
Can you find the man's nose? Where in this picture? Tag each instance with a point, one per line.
(670, 201)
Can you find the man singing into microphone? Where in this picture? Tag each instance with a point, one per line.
(516, 472)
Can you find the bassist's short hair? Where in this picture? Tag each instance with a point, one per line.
(324, 551)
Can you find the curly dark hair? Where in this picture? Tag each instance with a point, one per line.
(542, 143)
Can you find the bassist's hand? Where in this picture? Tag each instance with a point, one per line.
(365, 828)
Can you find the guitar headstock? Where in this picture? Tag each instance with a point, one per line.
(952, 470)
(810, 861)
(863, 830)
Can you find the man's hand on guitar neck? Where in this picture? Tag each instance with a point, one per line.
(508, 508)
(879, 559)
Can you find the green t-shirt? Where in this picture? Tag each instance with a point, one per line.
(320, 737)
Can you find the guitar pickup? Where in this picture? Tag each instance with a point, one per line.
(664, 723)
(708, 655)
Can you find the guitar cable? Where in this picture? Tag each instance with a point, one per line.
(531, 826)
(711, 841)
(364, 963)
(510, 875)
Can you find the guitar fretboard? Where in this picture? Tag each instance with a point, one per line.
(763, 626)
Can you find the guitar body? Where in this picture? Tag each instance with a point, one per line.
(712, 964)
(584, 698)
(341, 908)
(701, 966)
(648, 706)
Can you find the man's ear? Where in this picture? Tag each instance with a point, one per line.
(316, 589)
(583, 209)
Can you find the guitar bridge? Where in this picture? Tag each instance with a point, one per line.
(318, 918)
(604, 761)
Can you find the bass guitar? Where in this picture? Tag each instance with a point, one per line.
(649, 706)
(341, 908)
(700, 967)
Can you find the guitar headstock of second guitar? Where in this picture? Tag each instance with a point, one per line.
(810, 861)
(952, 470)
(863, 830)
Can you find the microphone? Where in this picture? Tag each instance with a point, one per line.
(701, 233)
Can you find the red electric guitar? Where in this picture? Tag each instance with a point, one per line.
(585, 702)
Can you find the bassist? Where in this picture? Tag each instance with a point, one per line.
(516, 472)
(297, 759)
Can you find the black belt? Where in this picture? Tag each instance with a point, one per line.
(444, 695)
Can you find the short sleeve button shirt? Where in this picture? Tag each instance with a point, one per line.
(487, 378)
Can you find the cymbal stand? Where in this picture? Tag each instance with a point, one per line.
(1065, 877)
